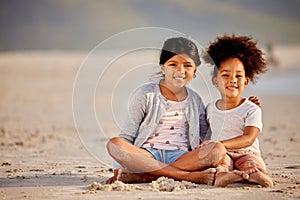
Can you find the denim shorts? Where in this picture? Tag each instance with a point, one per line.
(165, 156)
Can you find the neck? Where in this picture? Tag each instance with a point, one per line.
(230, 103)
(171, 93)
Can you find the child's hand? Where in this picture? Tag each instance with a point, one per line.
(255, 100)
(204, 143)
(237, 154)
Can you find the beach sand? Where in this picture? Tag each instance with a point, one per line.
(42, 156)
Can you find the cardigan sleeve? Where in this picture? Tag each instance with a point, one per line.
(135, 115)
(203, 125)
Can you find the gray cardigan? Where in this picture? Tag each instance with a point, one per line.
(146, 109)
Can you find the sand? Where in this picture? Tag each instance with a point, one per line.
(42, 156)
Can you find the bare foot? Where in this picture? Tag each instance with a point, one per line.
(256, 176)
(130, 177)
(117, 174)
(243, 174)
(206, 176)
(211, 176)
(224, 178)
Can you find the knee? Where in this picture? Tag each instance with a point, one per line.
(216, 146)
(218, 153)
(212, 151)
(219, 147)
(113, 142)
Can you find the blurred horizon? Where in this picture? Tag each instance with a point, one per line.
(82, 25)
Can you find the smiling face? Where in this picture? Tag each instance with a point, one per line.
(231, 80)
(178, 70)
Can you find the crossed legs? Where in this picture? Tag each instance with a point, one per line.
(248, 166)
(254, 166)
(140, 166)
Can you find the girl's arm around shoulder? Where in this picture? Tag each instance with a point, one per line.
(255, 99)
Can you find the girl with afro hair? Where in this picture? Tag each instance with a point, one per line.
(234, 120)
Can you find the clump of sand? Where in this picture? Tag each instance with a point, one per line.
(170, 185)
(162, 184)
(116, 186)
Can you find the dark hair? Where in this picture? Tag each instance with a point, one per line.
(179, 45)
(240, 47)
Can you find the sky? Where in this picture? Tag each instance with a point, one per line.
(82, 24)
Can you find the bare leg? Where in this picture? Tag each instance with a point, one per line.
(131, 177)
(207, 176)
(225, 173)
(254, 166)
(208, 154)
(138, 160)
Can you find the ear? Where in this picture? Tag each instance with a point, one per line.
(162, 69)
(246, 81)
(214, 81)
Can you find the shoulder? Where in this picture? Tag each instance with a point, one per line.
(149, 86)
(210, 105)
(142, 93)
(143, 98)
(251, 109)
(146, 88)
(250, 105)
